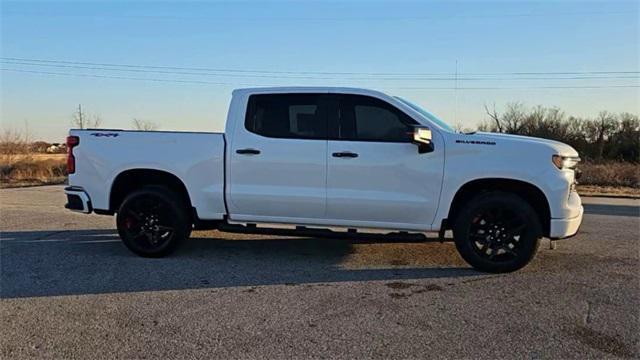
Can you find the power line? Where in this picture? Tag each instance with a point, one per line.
(209, 69)
(227, 70)
(129, 78)
(244, 75)
(455, 78)
(334, 18)
(245, 84)
(525, 87)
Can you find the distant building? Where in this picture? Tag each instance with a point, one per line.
(56, 148)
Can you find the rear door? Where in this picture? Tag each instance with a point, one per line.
(376, 177)
(278, 160)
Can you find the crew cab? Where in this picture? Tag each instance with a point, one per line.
(325, 161)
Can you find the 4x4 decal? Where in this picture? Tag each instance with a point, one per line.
(104, 134)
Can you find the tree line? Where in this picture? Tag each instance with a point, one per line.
(607, 136)
(81, 120)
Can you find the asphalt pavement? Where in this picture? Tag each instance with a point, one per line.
(70, 289)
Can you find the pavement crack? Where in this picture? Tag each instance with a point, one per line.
(587, 316)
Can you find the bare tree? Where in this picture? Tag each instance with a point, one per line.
(27, 140)
(493, 115)
(461, 128)
(513, 119)
(608, 136)
(600, 129)
(13, 145)
(78, 118)
(144, 125)
(81, 120)
(626, 140)
(95, 122)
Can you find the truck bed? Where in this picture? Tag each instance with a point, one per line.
(195, 158)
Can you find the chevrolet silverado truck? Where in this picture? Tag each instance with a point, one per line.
(326, 161)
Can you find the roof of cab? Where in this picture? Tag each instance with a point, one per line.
(306, 89)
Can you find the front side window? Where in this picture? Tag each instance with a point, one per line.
(296, 116)
(364, 118)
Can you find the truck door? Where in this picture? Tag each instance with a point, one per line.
(376, 177)
(278, 160)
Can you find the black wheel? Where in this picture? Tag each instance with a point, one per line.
(497, 232)
(153, 221)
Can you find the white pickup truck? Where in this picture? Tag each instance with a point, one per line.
(325, 161)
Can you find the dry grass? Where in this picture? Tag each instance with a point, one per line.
(611, 174)
(33, 157)
(29, 170)
(611, 191)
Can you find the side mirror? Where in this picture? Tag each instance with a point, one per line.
(422, 138)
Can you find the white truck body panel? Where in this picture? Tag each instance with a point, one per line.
(388, 185)
(297, 181)
(508, 157)
(197, 159)
(280, 185)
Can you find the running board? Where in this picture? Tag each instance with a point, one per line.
(324, 233)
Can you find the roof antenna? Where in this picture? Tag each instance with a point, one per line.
(455, 95)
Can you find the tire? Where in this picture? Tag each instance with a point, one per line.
(153, 221)
(497, 232)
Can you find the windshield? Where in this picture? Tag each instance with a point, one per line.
(427, 114)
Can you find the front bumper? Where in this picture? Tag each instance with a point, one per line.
(77, 200)
(564, 228)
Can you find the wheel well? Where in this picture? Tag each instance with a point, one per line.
(134, 179)
(528, 192)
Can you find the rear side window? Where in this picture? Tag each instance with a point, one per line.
(297, 116)
(364, 118)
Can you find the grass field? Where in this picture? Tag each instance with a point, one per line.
(32, 169)
(36, 157)
(608, 178)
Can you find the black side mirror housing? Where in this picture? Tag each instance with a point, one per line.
(423, 139)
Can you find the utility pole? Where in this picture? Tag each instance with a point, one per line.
(455, 96)
(80, 121)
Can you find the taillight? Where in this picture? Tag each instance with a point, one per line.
(72, 141)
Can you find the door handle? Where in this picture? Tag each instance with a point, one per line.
(345, 154)
(247, 151)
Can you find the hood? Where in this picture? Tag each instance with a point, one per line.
(558, 147)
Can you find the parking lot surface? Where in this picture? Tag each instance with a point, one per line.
(69, 288)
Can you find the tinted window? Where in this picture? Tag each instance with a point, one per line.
(286, 116)
(369, 119)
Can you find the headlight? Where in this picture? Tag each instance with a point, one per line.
(565, 162)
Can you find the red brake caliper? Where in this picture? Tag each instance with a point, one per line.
(129, 223)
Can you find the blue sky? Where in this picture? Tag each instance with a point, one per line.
(306, 39)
